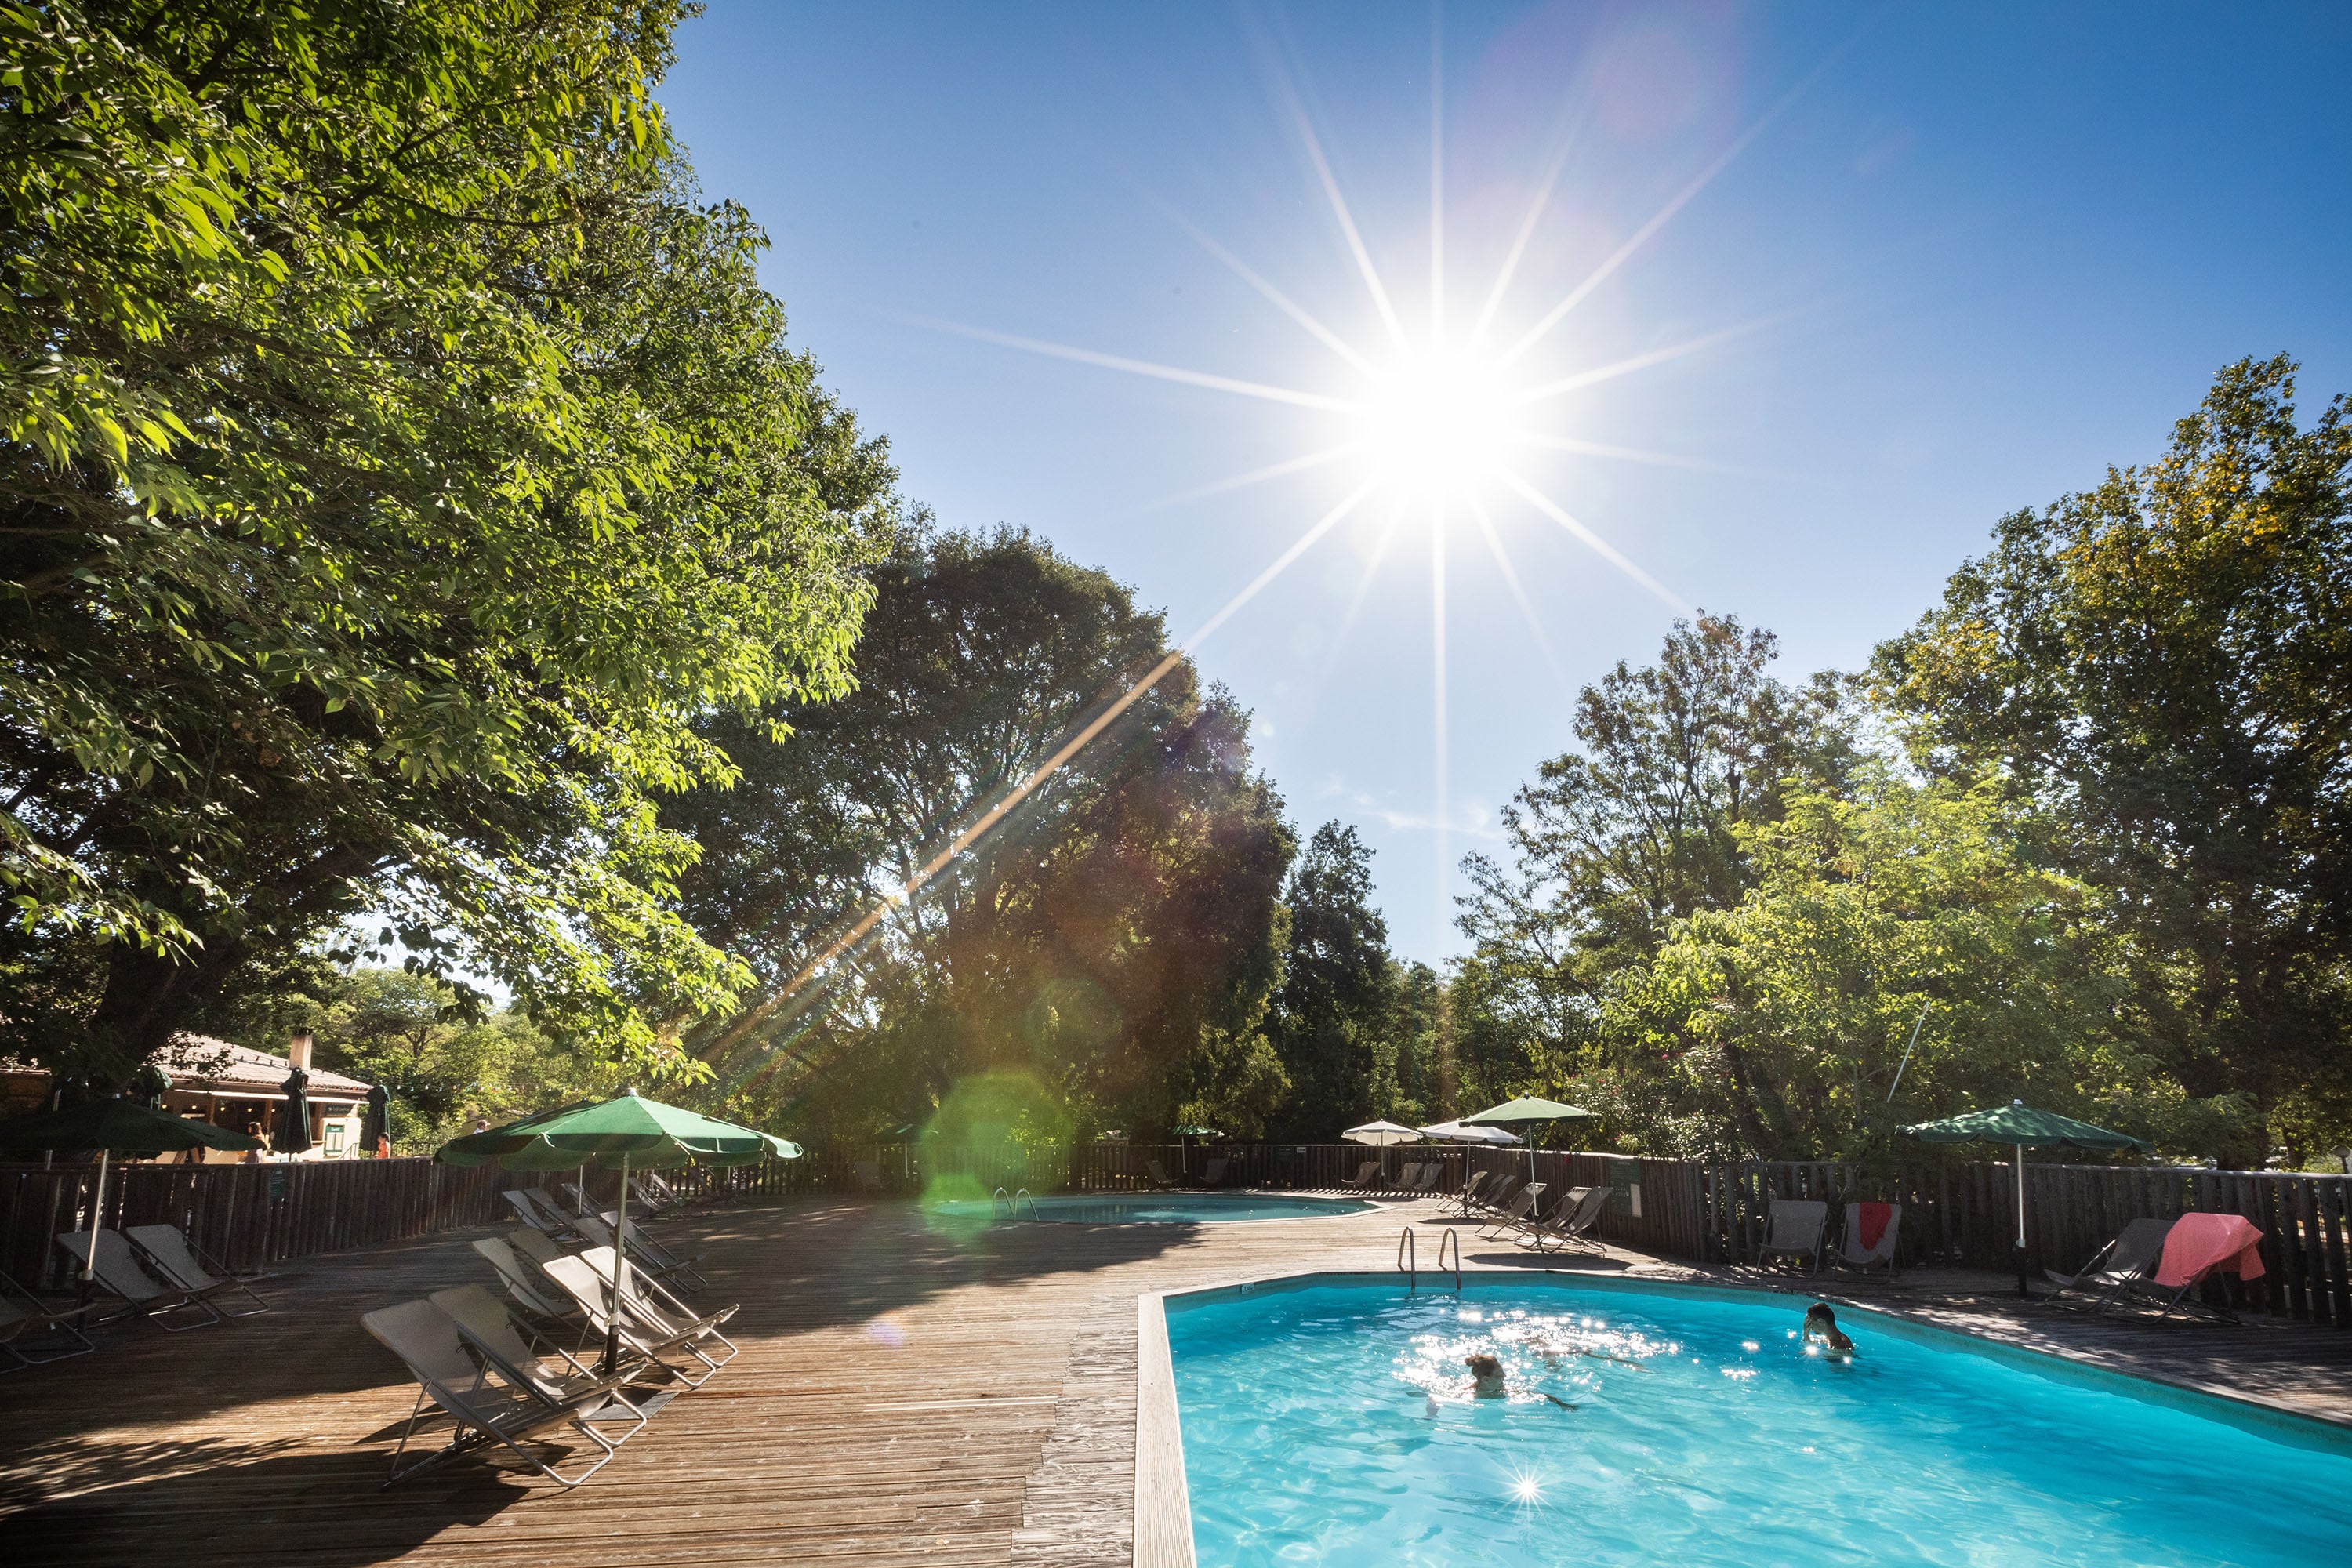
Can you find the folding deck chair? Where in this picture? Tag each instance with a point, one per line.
(1157, 1174)
(537, 1210)
(1407, 1178)
(487, 1409)
(2116, 1269)
(645, 1252)
(654, 1324)
(176, 1260)
(1519, 1215)
(1363, 1177)
(868, 1175)
(21, 1312)
(116, 1267)
(1853, 1254)
(1432, 1173)
(1467, 1198)
(519, 1353)
(1794, 1228)
(518, 1272)
(1572, 1219)
(1212, 1174)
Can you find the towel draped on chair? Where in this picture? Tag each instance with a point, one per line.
(2202, 1242)
(1871, 1219)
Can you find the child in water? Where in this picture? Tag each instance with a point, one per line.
(1486, 1381)
(1822, 1329)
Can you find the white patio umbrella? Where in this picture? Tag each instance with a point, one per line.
(1457, 1132)
(1380, 1135)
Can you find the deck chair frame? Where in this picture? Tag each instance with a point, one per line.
(1803, 1214)
(433, 1348)
(1572, 1219)
(1524, 1211)
(119, 1270)
(20, 1311)
(177, 1260)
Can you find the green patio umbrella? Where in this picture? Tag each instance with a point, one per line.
(645, 1132)
(116, 1126)
(2021, 1127)
(1527, 1109)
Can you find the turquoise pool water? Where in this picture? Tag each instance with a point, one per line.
(1163, 1208)
(1334, 1424)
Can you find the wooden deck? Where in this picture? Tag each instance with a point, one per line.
(903, 1396)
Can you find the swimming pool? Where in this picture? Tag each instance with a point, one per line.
(1160, 1208)
(1330, 1421)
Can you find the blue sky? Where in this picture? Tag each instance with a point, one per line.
(1959, 260)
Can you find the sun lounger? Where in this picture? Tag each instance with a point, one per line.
(1157, 1174)
(867, 1173)
(487, 1409)
(22, 1315)
(1363, 1177)
(2200, 1245)
(1794, 1228)
(1407, 1178)
(518, 1272)
(1501, 1191)
(1431, 1173)
(1467, 1198)
(116, 1267)
(645, 1252)
(2116, 1269)
(176, 1259)
(519, 1356)
(654, 1324)
(1856, 1249)
(537, 1210)
(1517, 1214)
(1571, 1222)
(1213, 1174)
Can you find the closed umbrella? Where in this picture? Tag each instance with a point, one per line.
(1512, 1112)
(647, 1132)
(2021, 1127)
(293, 1134)
(115, 1126)
(377, 1126)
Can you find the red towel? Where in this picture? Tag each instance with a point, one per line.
(2200, 1242)
(1873, 1218)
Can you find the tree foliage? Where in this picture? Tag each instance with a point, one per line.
(1112, 937)
(399, 459)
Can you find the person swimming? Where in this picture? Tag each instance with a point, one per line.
(1822, 1329)
(1486, 1377)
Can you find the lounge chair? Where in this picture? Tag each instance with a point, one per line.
(1157, 1174)
(654, 1324)
(1794, 1227)
(1517, 1214)
(1467, 1198)
(867, 1173)
(176, 1260)
(1852, 1253)
(485, 1411)
(518, 1272)
(645, 1252)
(1212, 1174)
(22, 1311)
(2116, 1269)
(537, 1210)
(1571, 1222)
(1431, 1173)
(1406, 1178)
(116, 1267)
(1363, 1177)
(519, 1355)
(1499, 1194)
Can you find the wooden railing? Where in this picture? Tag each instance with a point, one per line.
(252, 1215)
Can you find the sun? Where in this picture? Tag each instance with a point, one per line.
(1438, 423)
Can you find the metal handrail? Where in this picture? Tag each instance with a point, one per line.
(1014, 1204)
(1454, 1236)
(996, 1197)
(1409, 1259)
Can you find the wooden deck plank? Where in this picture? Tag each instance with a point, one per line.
(903, 1396)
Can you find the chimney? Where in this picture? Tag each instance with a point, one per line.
(297, 1051)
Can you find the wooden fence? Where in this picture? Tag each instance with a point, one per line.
(1953, 1214)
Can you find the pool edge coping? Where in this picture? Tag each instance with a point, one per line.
(1163, 1510)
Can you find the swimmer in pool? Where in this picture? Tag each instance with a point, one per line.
(1486, 1381)
(1822, 1329)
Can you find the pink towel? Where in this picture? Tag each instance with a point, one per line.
(2200, 1242)
(1873, 1218)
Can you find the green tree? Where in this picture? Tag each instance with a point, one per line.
(1615, 842)
(1112, 936)
(1336, 997)
(2165, 662)
(1776, 1029)
(399, 459)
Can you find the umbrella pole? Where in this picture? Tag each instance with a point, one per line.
(97, 1219)
(2021, 1290)
(620, 1274)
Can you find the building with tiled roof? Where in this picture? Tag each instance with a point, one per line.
(236, 1087)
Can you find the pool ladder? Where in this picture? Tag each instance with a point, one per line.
(1011, 1204)
(1408, 1258)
